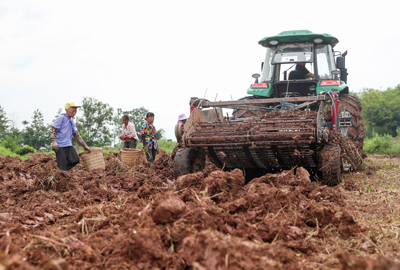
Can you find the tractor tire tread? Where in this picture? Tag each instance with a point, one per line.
(182, 162)
(356, 132)
(353, 98)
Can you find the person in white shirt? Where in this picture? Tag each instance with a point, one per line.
(128, 135)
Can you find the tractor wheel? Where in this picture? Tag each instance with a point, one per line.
(356, 131)
(330, 170)
(188, 160)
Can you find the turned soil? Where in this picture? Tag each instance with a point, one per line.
(142, 217)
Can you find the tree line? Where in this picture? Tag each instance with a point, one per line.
(99, 125)
(381, 110)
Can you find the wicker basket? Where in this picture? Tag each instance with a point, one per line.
(130, 156)
(94, 159)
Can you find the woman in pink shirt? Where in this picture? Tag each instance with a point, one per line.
(128, 133)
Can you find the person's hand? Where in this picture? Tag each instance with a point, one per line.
(87, 148)
(311, 75)
(146, 149)
(126, 137)
(54, 146)
(121, 137)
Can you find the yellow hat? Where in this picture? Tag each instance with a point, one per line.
(71, 104)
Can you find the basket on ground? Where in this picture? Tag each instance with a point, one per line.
(94, 159)
(130, 156)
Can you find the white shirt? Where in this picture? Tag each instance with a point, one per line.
(129, 131)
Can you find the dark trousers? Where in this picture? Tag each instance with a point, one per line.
(151, 156)
(131, 144)
(67, 158)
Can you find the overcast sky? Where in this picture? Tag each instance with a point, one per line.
(158, 54)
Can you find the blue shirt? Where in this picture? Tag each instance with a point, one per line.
(65, 128)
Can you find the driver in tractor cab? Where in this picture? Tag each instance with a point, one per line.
(302, 68)
(300, 72)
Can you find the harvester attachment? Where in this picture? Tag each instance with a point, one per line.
(287, 133)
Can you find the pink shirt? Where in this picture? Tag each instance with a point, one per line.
(129, 131)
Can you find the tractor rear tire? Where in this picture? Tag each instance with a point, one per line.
(356, 131)
(188, 160)
(331, 165)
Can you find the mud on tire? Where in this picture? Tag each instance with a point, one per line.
(330, 170)
(188, 160)
(356, 131)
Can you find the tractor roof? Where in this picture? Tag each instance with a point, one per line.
(298, 36)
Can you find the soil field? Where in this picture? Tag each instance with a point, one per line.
(144, 218)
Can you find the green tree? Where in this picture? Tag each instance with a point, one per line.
(381, 110)
(12, 142)
(116, 127)
(60, 111)
(36, 134)
(4, 124)
(94, 125)
(160, 133)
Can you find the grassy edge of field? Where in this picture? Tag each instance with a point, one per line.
(8, 152)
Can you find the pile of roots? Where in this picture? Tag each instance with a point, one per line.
(144, 218)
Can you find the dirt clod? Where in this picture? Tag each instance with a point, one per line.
(167, 208)
(144, 218)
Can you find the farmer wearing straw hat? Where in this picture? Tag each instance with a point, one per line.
(61, 142)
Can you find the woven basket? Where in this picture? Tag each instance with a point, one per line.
(94, 159)
(130, 156)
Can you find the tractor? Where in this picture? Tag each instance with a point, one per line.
(296, 110)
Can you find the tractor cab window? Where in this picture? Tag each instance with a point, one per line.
(293, 53)
(326, 62)
(266, 75)
(284, 71)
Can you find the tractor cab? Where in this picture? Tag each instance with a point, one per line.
(299, 63)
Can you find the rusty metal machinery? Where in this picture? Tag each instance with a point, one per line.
(288, 132)
(258, 143)
(270, 142)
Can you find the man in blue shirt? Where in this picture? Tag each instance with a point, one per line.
(61, 141)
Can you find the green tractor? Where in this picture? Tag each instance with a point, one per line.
(298, 113)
